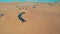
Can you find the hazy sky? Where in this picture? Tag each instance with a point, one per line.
(28, 0)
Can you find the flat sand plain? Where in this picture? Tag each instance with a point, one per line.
(43, 19)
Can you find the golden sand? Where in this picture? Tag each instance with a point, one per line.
(43, 19)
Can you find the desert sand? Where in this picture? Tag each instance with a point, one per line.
(43, 19)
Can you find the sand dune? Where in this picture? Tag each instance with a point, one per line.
(43, 19)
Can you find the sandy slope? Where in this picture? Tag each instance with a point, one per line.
(43, 19)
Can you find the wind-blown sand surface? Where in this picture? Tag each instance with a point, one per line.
(43, 19)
